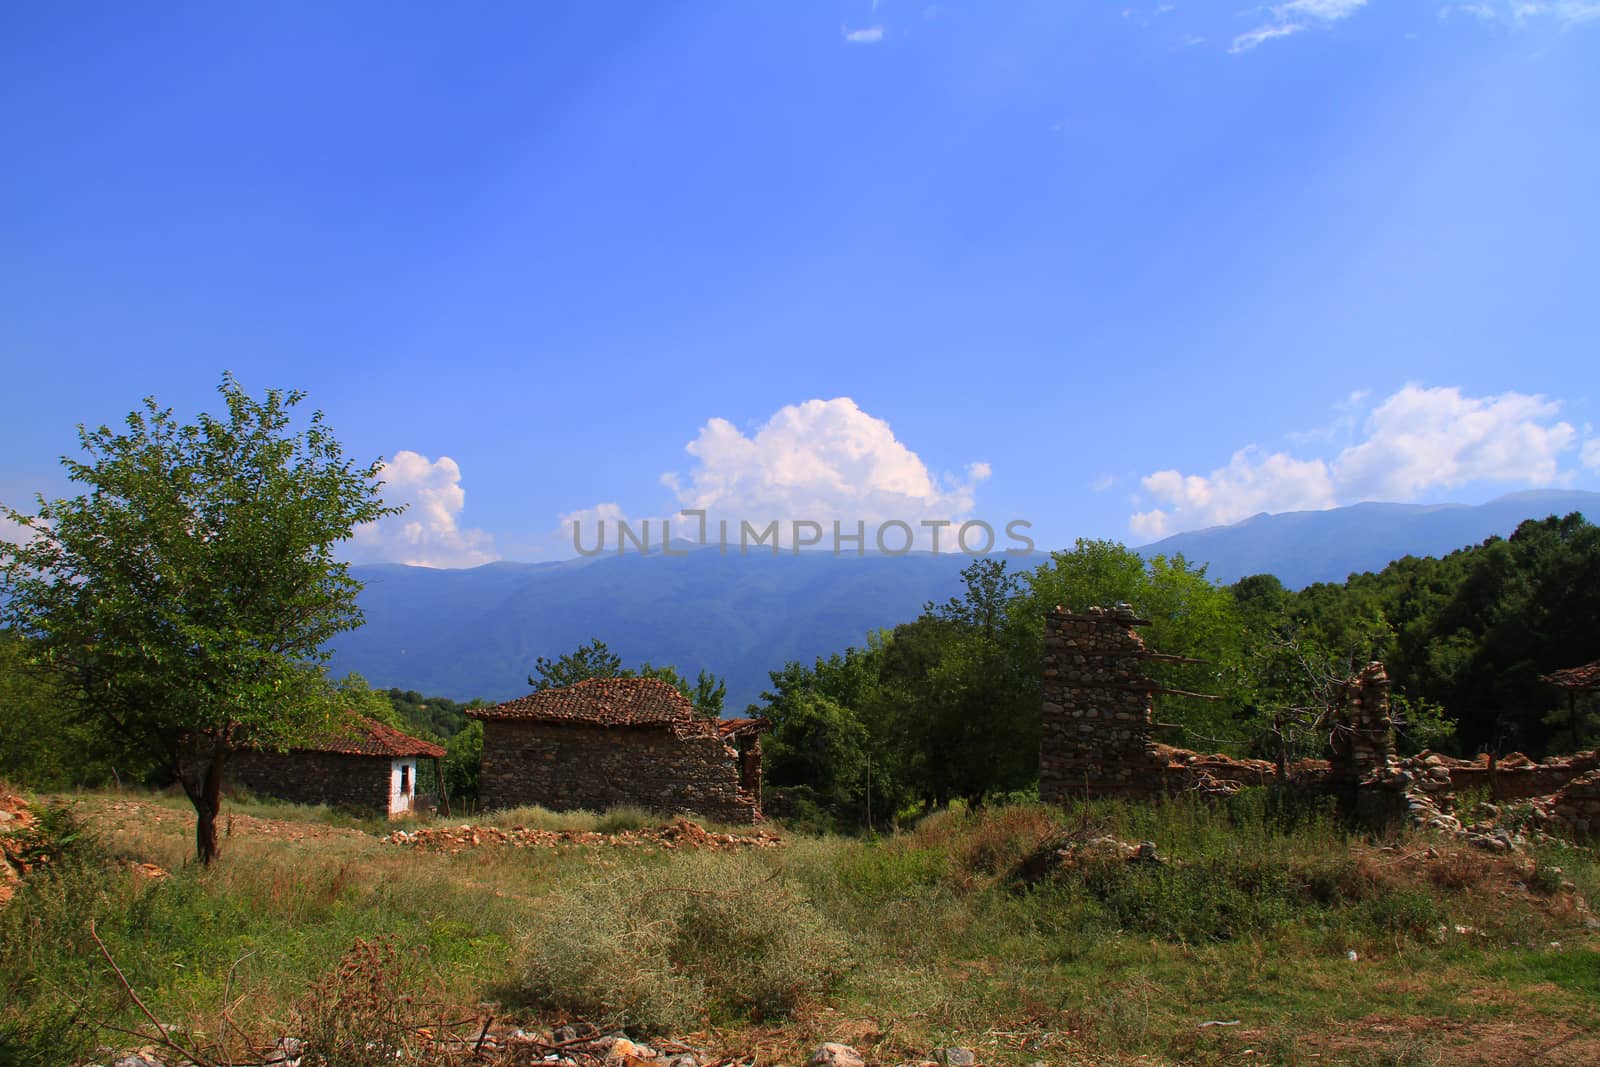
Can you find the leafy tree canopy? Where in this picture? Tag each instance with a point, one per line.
(183, 602)
(596, 660)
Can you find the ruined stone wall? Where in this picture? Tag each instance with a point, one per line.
(1362, 729)
(1096, 727)
(314, 777)
(1578, 805)
(1516, 777)
(574, 767)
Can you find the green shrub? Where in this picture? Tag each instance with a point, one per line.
(716, 935)
(616, 820)
(1411, 912)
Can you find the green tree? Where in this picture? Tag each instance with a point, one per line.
(1189, 615)
(593, 660)
(596, 660)
(183, 605)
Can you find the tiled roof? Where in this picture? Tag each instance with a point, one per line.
(616, 702)
(369, 737)
(600, 702)
(1585, 677)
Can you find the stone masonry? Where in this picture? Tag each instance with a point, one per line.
(575, 766)
(314, 777)
(605, 742)
(1096, 728)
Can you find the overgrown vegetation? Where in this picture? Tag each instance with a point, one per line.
(947, 705)
(1251, 915)
(710, 938)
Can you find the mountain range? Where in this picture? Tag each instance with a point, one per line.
(476, 632)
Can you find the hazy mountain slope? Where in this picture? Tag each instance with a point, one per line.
(477, 632)
(1303, 547)
(470, 633)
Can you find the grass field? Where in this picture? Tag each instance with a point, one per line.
(1311, 944)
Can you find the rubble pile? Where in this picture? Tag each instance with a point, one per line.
(14, 817)
(679, 834)
(580, 1045)
(1065, 852)
(1577, 806)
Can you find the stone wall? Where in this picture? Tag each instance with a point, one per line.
(1095, 733)
(314, 777)
(1362, 734)
(571, 767)
(1578, 805)
(1097, 728)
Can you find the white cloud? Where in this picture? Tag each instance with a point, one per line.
(1326, 10)
(1522, 12)
(1566, 12)
(1416, 440)
(1295, 16)
(1260, 35)
(1421, 439)
(819, 461)
(1591, 453)
(13, 531)
(1250, 483)
(428, 532)
(867, 35)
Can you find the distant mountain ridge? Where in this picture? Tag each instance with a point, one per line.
(1305, 547)
(476, 632)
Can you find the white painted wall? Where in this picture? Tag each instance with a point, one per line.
(402, 785)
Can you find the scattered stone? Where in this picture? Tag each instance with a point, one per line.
(957, 1057)
(833, 1054)
(286, 1053)
(142, 1058)
(679, 834)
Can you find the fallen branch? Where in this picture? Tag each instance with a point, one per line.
(165, 1038)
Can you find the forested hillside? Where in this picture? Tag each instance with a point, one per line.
(948, 704)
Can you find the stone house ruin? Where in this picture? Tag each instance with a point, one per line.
(606, 742)
(1097, 740)
(370, 765)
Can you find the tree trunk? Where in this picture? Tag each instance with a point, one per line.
(202, 783)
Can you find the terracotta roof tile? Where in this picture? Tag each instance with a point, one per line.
(601, 702)
(616, 702)
(1585, 677)
(369, 737)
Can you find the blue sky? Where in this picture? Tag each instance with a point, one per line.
(1115, 269)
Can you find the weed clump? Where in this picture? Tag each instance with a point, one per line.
(663, 948)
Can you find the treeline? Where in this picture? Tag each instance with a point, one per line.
(947, 705)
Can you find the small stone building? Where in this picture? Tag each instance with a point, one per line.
(607, 742)
(370, 765)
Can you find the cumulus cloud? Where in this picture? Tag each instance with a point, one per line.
(1416, 440)
(1250, 483)
(428, 533)
(1422, 439)
(1295, 16)
(866, 35)
(1591, 453)
(13, 531)
(821, 461)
